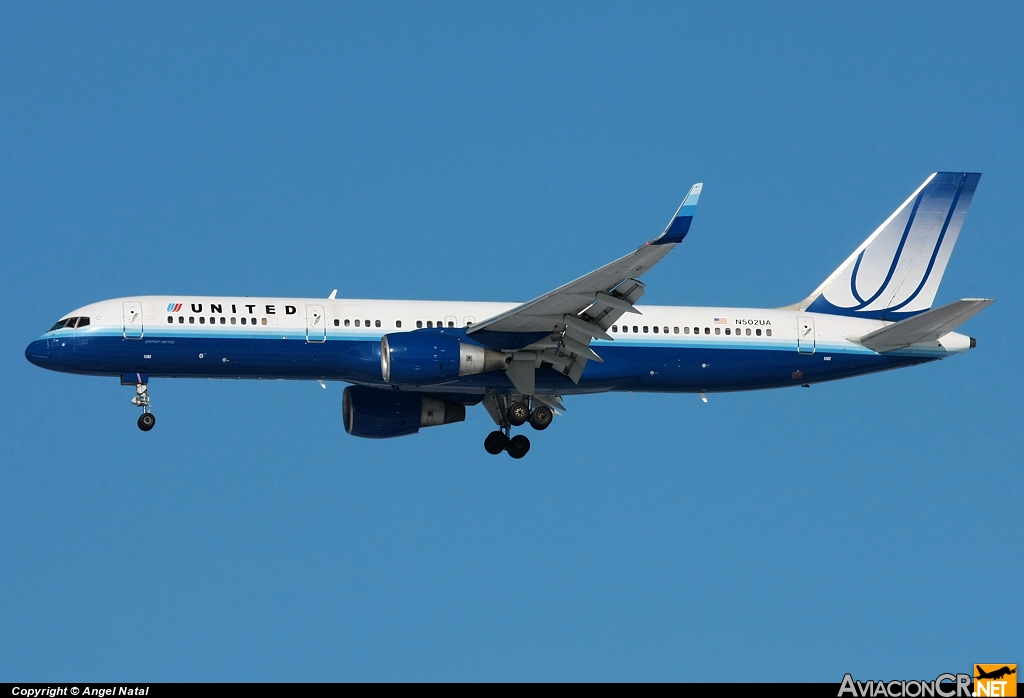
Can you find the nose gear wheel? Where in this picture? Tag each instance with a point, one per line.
(141, 399)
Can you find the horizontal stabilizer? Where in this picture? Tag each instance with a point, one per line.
(928, 326)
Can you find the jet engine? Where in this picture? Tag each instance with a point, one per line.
(375, 413)
(429, 358)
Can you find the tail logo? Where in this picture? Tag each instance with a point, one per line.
(886, 282)
(896, 272)
(173, 307)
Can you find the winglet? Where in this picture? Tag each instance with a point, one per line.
(680, 223)
(334, 294)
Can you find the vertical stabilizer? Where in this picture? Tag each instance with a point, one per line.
(896, 272)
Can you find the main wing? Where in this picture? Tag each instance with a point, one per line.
(577, 312)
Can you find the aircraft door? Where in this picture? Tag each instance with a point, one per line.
(131, 320)
(316, 324)
(805, 334)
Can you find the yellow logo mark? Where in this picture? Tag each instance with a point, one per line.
(995, 680)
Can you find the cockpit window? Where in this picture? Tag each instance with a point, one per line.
(70, 323)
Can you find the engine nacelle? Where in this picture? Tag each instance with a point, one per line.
(429, 358)
(373, 413)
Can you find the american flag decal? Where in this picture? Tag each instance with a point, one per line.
(721, 321)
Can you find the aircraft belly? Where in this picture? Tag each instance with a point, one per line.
(640, 368)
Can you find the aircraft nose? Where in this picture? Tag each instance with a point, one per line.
(38, 353)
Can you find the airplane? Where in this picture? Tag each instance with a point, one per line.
(996, 674)
(414, 364)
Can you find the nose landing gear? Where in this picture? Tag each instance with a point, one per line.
(141, 399)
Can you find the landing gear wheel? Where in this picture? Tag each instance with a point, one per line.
(518, 446)
(518, 413)
(146, 421)
(541, 418)
(496, 442)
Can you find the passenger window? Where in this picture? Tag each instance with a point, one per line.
(625, 328)
(758, 331)
(664, 330)
(366, 323)
(347, 322)
(337, 322)
(243, 321)
(357, 323)
(430, 324)
(223, 321)
(728, 331)
(645, 329)
(181, 319)
(635, 329)
(419, 324)
(451, 324)
(191, 319)
(718, 330)
(202, 321)
(615, 328)
(233, 320)
(264, 321)
(707, 330)
(398, 324)
(675, 330)
(170, 319)
(686, 330)
(748, 331)
(376, 323)
(768, 333)
(655, 329)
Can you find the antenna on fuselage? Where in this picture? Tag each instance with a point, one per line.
(334, 293)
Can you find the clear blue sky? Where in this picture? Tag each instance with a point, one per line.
(490, 152)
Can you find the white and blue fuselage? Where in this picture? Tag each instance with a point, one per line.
(662, 349)
(421, 363)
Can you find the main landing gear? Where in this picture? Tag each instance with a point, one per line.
(517, 414)
(141, 399)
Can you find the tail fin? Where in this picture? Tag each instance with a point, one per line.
(895, 273)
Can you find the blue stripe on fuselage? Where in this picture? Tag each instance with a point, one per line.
(666, 366)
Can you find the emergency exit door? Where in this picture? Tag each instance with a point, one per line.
(805, 334)
(316, 324)
(131, 320)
